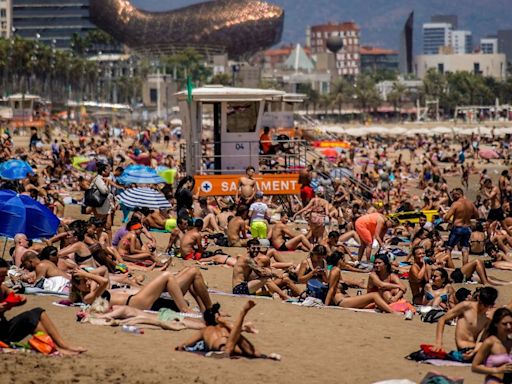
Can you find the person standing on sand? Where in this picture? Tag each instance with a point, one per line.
(496, 213)
(462, 211)
(246, 187)
(471, 321)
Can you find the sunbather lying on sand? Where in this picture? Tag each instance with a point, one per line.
(221, 336)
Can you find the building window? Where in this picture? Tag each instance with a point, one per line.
(476, 68)
(153, 95)
(3, 13)
(440, 67)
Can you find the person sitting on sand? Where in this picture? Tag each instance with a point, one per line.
(221, 336)
(191, 243)
(131, 247)
(237, 227)
(471, 321)
(337, 296)
(439, 293)
(493, 358)
(383, 281)
(419, 274)
(87, 287)
(29, 322)
(177, 235)
(208, 214)
(285, 240)
(244, 281)
(161, 220)
(474, 271)
(314, 267)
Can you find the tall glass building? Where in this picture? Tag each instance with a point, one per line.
(49, 20)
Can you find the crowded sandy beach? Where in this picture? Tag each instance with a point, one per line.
(391, 263)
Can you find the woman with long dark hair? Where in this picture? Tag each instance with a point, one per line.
(493, 357)
(184, 196)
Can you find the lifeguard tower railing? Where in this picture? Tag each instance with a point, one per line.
(290, 156)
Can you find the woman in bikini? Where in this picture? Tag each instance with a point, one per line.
(131, 247)
(318, 209)
(384, 282)
(477, 240)
(439, 293)
(337, 296)
(80, 252)
(493, 358)
(314, 267)
(87, 287)
(224, 339)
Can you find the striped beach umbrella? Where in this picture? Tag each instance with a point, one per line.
(144, 198)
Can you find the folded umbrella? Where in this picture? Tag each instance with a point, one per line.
(22, 214)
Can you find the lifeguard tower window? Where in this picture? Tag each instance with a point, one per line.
(242, 117)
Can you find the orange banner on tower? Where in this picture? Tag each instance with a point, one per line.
(227, 185)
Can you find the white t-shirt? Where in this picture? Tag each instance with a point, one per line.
(258, 211)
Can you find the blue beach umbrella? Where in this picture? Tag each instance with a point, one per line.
(15, 170)
(140, 174)
(22, 214)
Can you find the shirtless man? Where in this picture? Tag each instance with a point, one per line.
(246, 187)
(160, 219)
(285, 240)
(42, 268)
(191, 247)
(462, 211)
(21, 246)
(226, 212)
(496, 214)
(471, 318)
(244, 282)
(177, 234)
(237, 228)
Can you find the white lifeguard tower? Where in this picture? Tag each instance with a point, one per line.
(236, 115)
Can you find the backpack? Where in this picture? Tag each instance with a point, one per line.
(317, 289)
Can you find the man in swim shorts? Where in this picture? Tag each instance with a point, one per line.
(243, 282)
(191, 246)
(462, 211)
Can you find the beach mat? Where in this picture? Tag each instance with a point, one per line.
(445, 363)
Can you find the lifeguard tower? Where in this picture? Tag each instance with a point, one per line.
(236, 116)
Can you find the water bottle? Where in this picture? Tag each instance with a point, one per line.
(132, 329)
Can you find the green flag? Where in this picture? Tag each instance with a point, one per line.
(190, 88)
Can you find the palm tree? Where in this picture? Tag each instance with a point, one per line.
(342, 91)
(397, 95)
(367, 95)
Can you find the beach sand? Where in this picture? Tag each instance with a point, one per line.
(317, 345)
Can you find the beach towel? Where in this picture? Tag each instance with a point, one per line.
(396, 381)
(222, 293)
(42, 292)
(56, 284)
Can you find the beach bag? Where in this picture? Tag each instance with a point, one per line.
(43, 343)
(317, 289)
(93, 197)
(433, 316)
